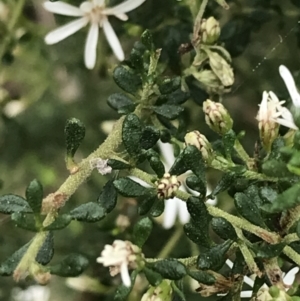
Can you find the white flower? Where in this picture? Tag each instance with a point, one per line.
(120, 256)
(96, 13)
(288, 280)
(32, 293)
(101, 165)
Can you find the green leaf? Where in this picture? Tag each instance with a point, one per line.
(198, 211)
(46, 252)
(290, 198)
(123, 291)
(153, 277)
(34, 196)
(25, 221)
(157, 166)
(197, 235)
(202, 277)
(71, 266)
(61, 222)
(229, 141)
(158, 208)
(195, 183)
(9, 265)
(150, 136)
(252, 193)
(11, 203)
(266, 251)
(223, 228)
(268, 194)
(276, 168)
(74, 134)
(169, 268)
(132, 134)
(168, 111)
(126, 79)
(90, 212)
(177, 97)
(226, 181)
(214, 258)
(121, 103)
(130, 188)
(146, 203)
(147, 40)
(141, 231)
(108, 197)
(116, 164)
(298, 228)
(169, 85)
(136, 58)
(248, 209)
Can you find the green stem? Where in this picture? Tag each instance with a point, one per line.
(243, 154)
(16, 12)
(293, 255)
(197, 23)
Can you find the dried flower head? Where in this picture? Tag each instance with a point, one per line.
(167, 185)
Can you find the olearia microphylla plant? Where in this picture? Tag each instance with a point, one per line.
(155, 164)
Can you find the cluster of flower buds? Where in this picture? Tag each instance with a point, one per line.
(162, 292)
(209, 31)
(121, 256)
(217, 117)
(203, 145)
(166, 186)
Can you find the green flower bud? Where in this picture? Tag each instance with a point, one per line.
(209, 30)
(217, 117)
(166, 186)
(203, 145)
(162, 292)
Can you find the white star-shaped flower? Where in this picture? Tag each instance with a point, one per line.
(32, 293)
(96, 13)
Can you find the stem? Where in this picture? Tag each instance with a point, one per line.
(197, 23)
(243, 154)
(293, 255)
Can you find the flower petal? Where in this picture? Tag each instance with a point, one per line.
(90, 51)
(139, 181)
(63, 32)
(288, 123)
(290, 84)
(246, 294)
(124, 7)
(167, 153)
(170, 213)
(113, 40)
(125, 275)
(289, 278)
(63, 8)
(183, 213)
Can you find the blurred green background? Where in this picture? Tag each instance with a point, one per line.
(42, 86)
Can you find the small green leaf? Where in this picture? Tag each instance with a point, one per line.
(11, 203)
(72, 266)
(141, 231)
(108, 197)
(116, 164)
(290, 198)
(9, 265)
(276, 168)
(74, 134)
(147, 40)
(197, 235)
(123, 291)
(130, 188)
(169, 85)
(229, 140)
(46, 252)
(177, 97)
(158, 208)
(248, 209)
(61, 222)
(198, 211)
(150, 136)
(202, 277)
(121, 103)
(153, 277)
(214, 258)
(34, 196)
(226, 181)
(298, 228)
(223, 228)
(132, 134)
(157, 166)
(194, 183)
(90, 212)
(266, 251)
(146, 203)
(168, 111)
(25, 221)
(126, 79)
(268, 194)
(169, 268)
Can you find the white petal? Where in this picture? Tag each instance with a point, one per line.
(90, 51)
(139, 181)
(246, 294)
(62, 8)
(63, 32)
(229, 263)
(290, 84)
(288, 123)
(183, 213)
(124, 7)
(122, 17)
(113, 40)
(125, 275)
(167, 153)
(170, 213)
(289, 278)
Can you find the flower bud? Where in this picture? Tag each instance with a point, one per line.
(163, 292)
(203, 145)
(166, 186)
(209, 30)
(217, 117)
